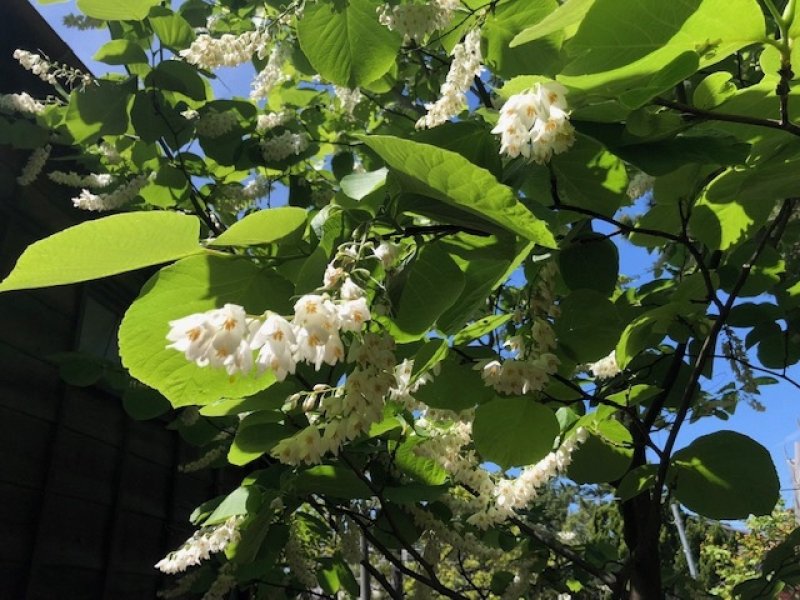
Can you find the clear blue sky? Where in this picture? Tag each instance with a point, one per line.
(776, 428)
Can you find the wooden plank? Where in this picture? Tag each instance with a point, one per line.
(18, 523)
(145, 486)
(12, 579)
(23, 448)
(83, 467)
(94, 413)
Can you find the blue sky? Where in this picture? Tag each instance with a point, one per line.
(776, 428)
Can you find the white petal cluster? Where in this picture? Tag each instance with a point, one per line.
(34, 166)
(535, 124)
(203, 543)
(348, 98)
(111, 200)
(606, 367)
(300, 566)
(518, 377)
(258, 187)
(640, 184)
(204, 461)
(283, 146)
(271, 75)
(415, 21)
(21, 103)
(465, 66)
(73, 179)
(208, 52)
(110, 153)
(47, 70)
(272, 120)
(387, 253)
(215, 124)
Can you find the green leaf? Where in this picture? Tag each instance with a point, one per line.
(117, 10)
(332, 481)
(178, 76)
(513, 432)
(725, 475)
(193, 285)
(713, 90)
(457, 387)
(504, 23)
(449, 177)
(680, 37)
(481, 327)
(257, 433)
(143, 403)
(640, 479)
(241, 501)
(173, 30)
(605, 456)
(589, 326)
(569, 14)
(434, 282)
(120, 52)
(266, 226)
(412, 493)
(98, 110)
(590, 262)
(104, 247)
(425, 470)
(360, 185)
(345, 43)
(645, 331)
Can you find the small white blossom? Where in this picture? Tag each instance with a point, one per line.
(73, 179)
(208, 52)
(271, 75)
(283, 146)
(111, 200)
(272, 120)
(276, 340)
(640, 185)
(21, 103)
(605, 368)
(387, 253)
(415, 21)
(348, 98)
(34, 166)
(201, 546)
(535, 124)
(216, 124)
(465, 66)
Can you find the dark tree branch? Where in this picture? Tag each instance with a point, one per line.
(710, 115)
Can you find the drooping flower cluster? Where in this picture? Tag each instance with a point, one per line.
(417, 20)
(34, 166)
(111, 200)
(208, 52)
(203, 543)
(606, 367)
(639, 185)
(21, 103)
(348, 98)
(535, 124)
(204, 461)
(222, 585)
(283, 146)
(73, 179)
(49, 71)
(215, 124)
(272, 120)
(465, 66)
(300, 566)
(82, 22)
(271, 75)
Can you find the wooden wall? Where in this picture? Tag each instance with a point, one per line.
(90, 499)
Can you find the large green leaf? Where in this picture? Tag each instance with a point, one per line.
(104, 247)
(605, 455)
(264, 227)
(120, 52)
(117, 10)
(434, 283)
(590, 262)
(331, 480)
(623, 47)
(257, 433)
(173, 30)
(513, 432)
(456, 387)
(98, 110)
(568, 15)
(452, 179)
(725, 475)
(589, 326)
(195, 284)
(345, 43)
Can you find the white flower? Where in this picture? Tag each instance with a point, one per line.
(353, 314)
(22, 103)
(112, 200)
(605, 368)
(640, 185)
(272, 120)
(216, 124)
(271, 75)
(73, 179)
(415, 21)
(535, 124)
(283, 146)
(34, 166)
(387, 253)
(201, 546)
(228, 50)
(276, 340)
(350, 290)
(348, 98)
(465, 66)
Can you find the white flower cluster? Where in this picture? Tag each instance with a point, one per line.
(440, 533)
(203, 543)
(518, 588)
(110, 153)
(639, 185)
(34, 166)
(272, 120)
(535, 124)
(204, 461)
(415, 21)
(215, 124)
(388, 253)
(283, 146)
(73, 179)
(111, 200)
(222, 585)
(348, 98)
(21, 103)
(82, 22)
(48, 71)
(297, 559)
(271, 75)
(606, 367)
(465, 66)
(208, 52)
(258, 187)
